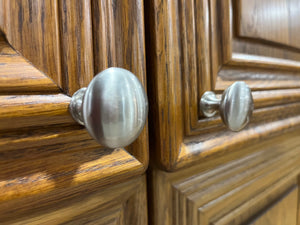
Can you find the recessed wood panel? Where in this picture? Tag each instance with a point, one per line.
(276, 21)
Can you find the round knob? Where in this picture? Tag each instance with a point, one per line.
(113, 107)
(235, 105)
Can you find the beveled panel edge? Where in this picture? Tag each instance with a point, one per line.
(224, 142)
(19, 76)
(41, 20)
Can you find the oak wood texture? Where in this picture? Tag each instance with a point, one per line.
(24, 86)
(18, 76)
(230, 189)
(32, 28)
(92, 36)
(76, 44)
(122, 204)
(49, 164)
(192, 47)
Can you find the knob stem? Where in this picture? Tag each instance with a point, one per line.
(76, 105)
(209, 104)
(235, 106)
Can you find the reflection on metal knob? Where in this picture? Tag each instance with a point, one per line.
(235, 105)
(113, 107)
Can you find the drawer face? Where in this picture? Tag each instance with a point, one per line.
(196, 46)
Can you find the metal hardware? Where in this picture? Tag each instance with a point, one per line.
(113, 108)
(235, 106)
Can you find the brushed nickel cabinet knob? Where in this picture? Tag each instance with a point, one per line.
(235, 105)
(113, 108)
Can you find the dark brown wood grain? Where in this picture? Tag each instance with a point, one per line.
(32, 28)
(164, 80)
(18, 76)
(77, 44)
(23, 85)
(52, 171)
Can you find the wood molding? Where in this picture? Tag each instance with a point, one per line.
(226, 189)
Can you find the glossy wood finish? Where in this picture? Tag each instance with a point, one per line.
(37, 108)
(49, 164)
(192, 51)
(229, 189)
(123, 204)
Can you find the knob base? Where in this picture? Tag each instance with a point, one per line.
(75, 107)
(209, 104)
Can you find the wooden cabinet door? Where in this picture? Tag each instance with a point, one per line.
(52, 171)
(196, 46)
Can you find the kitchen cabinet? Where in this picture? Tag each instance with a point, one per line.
(199, 172)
